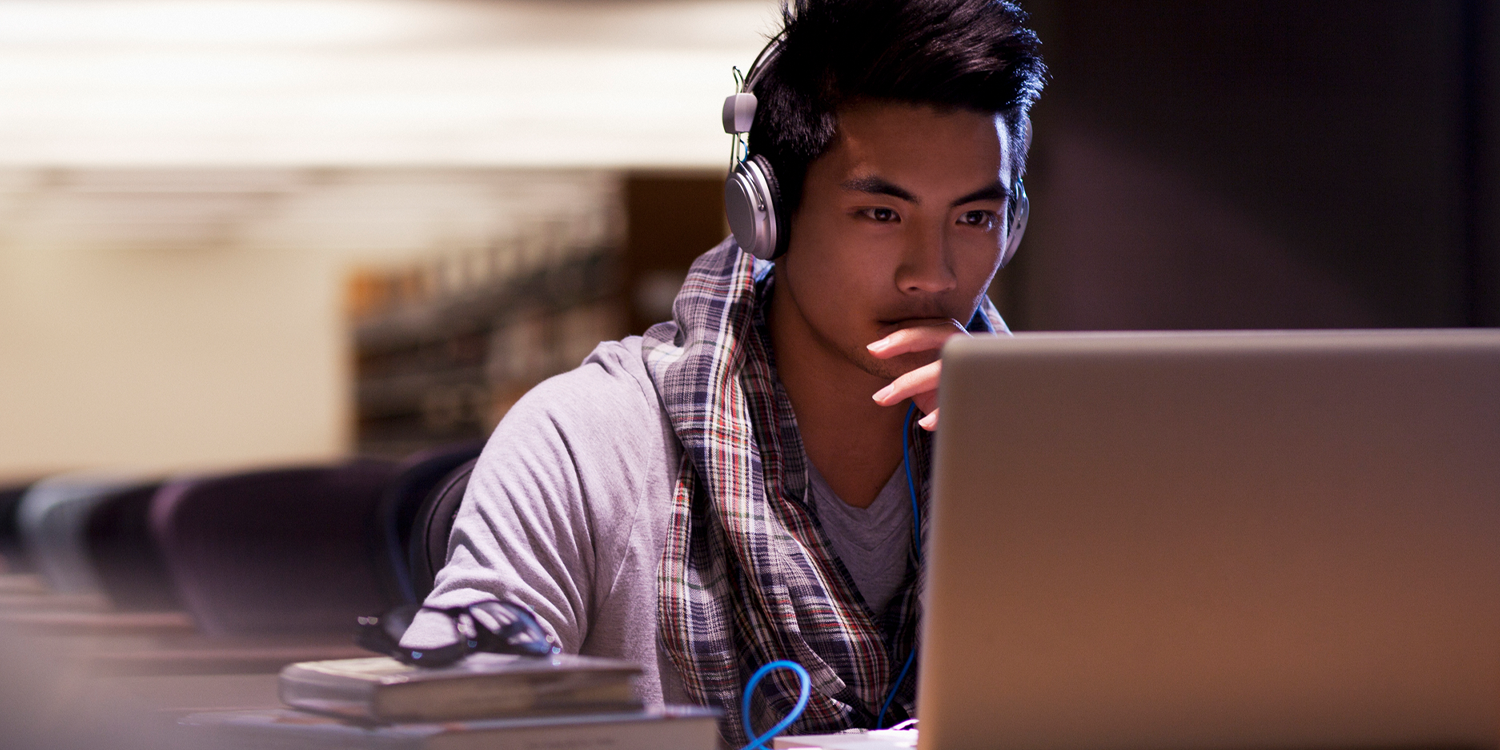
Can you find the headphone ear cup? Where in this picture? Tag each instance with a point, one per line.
(1016, 214)
(752, 201)
(777, 205)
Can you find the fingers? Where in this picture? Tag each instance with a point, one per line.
(920, 385)
(929, 422)
(914, 339)
(926, 401)
(914, 384)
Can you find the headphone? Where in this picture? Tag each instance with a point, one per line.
(752, 196)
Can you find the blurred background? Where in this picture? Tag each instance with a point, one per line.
(249, 231)
(243, 241)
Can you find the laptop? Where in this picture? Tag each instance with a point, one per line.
(1237, 541)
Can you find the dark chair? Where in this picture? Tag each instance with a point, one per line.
(129, 566)
(419, 474)
(432, 526)
(283, 551)
(53, 516)
(12, 552)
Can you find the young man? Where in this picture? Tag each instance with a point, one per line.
(731, 489)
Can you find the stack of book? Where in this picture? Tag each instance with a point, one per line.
(493, 701)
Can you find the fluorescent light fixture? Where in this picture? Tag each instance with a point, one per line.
(290, 83)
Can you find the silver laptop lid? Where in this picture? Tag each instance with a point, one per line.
(1258, 540)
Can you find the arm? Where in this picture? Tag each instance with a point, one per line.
(551, 514)
(522, 531)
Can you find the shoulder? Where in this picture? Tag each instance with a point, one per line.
(550, 513)
(597, 429)
(610, 393)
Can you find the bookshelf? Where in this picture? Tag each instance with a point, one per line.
(444, 345)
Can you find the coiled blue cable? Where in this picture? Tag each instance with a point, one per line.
(802, 676)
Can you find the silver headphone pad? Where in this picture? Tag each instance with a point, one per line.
(750, 202)
(1018, 212)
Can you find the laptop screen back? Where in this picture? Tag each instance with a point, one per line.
(1199, 541)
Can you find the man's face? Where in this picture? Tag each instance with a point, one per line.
(901, 225)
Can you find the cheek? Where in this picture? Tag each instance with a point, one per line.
(978, 258)
(836, 284)
(846, 273)
(822, 282)
(821, 258)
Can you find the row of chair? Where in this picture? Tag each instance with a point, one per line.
(293, 550)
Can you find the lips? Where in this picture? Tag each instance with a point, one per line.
(889, 327)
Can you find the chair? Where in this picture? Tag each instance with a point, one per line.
(419, 474)
(432, 526)
(127, 561)
(52, 517)
(58, 518)
(12, 553)
(282, 551)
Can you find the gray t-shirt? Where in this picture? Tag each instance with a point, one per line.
(872, 542)
(567, 510)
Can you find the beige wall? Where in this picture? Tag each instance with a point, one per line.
(185, 183)
(163, 320)
(167, 358)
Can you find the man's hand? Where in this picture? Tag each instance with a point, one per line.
(919, 385)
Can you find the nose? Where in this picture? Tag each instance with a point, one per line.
(927, 264)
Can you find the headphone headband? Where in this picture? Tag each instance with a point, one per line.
(739, 108)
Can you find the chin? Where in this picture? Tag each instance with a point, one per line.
(890, 369)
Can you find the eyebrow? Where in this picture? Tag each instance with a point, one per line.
(996, 191)
(879, 186)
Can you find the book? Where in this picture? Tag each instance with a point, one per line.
(483, 685)
(671, 728)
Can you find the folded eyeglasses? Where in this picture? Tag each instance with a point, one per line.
(493, 626)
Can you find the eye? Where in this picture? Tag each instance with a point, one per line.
(882, 215)
(978, 219)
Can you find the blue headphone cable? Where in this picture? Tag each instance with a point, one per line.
(791, 716)
(916, 545)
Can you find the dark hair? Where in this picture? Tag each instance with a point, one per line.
(971, 54)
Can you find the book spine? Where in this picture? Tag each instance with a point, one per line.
(314, 692)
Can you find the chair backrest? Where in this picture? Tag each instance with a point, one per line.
(128, 563)
(52, 518)
(419, 474)
(278, 551)
(432, 526)
(12, 552)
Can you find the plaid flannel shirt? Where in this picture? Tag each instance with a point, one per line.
(747, 576)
